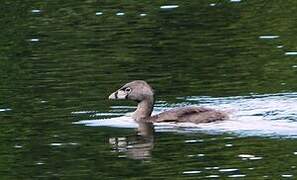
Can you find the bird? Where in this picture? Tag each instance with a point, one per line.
(142, 93)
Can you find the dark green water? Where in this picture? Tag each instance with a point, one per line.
(57, 58)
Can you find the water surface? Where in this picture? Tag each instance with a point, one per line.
(59, 61)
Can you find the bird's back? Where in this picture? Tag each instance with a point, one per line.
(190, 114)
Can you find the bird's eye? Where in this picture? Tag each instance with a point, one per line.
(128, 90)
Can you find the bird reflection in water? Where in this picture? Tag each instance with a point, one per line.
(138, 146)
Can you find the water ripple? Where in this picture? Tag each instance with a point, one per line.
(213, 176)
(191, 172)
(36, 11)
(271, 115)
(228, 170)
(291, 53)
(237, 176)
(99, 13)
(268, 37)
(120, 14)
(249, 157)
(6, 109)
(169, 6)
(34, 40)
(287, 175)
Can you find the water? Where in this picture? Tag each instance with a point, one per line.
(271, 115)
(59, 61)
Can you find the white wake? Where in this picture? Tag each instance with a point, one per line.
(273, 115)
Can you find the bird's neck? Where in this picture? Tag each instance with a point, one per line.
(144, 109)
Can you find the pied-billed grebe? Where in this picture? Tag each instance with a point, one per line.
(143, 94)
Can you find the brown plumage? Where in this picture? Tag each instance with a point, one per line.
(142, 93)
(189, 114)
